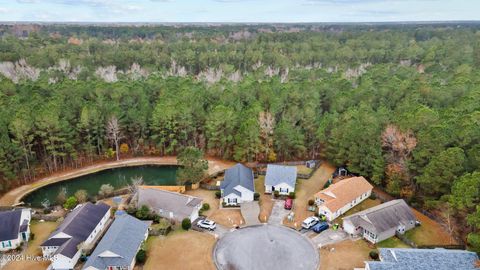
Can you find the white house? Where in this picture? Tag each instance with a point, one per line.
(381, 222)
(340, 197)
(281, 178)
(237, 186)
(79, 229)
(14, 228)
(119, 245)
(169, 204)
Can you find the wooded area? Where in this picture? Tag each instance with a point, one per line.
(397, 104)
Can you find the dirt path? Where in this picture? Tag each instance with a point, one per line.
(14, 196)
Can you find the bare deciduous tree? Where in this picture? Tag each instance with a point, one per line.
(114, 134)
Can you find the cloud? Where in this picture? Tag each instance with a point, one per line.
(3, 10)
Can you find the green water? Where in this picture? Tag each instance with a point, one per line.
(117, 177)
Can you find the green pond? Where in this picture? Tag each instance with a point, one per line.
(117, 177)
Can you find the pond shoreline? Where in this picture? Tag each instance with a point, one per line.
(15, 196)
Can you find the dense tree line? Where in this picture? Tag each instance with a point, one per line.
(399, 105)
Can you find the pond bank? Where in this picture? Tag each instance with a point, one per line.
(15, 195)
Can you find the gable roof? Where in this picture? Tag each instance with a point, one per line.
(277, 174)
(120, 243)
(383, 217)
(425, 259)
(180, 204)
(11, 225)
(79, 224)
(238, 175)
(342, 193)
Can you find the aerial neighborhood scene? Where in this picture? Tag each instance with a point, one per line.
(239, 135)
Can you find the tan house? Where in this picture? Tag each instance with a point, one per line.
(340, 197)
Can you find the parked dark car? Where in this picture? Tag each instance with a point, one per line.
(320, 227)
(288, 204)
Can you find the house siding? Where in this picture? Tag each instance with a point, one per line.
(283, 188)
(322, 209)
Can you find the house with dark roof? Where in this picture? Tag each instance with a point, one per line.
(281, 178)
(78, 231)
(167, 204)
(237, 186)
(381, 222)
(119, 245)
(14, 228)
(424, 259)
(340, 197)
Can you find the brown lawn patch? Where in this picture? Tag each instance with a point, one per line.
(265, 201)
(429, 233)
(181, 250)
(345, 255)
(305, 189)
(302, 169)
(41, 231)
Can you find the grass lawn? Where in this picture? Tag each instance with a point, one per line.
(392, 242)
(265, 202)
(429, 233)
(345, 255)
(305, 189)
(302, 169)
(41, 231)
(180, 250)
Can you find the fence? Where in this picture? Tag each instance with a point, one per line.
(209, 187)
(45, 217)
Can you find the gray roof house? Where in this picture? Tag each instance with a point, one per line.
(14, 228)
(171, 205)
(81, 226)
(381, 222)
(281, 178)
(237, 185)
(423, 259)
(119, 245)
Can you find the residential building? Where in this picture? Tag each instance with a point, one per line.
(14, 228)
(120, 244)
(424, 259)
(381, 222)
(340, 197)
(77, 232)
(281, 178)
(237, 186)
(168, 204)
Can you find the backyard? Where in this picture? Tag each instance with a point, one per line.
(181, 250)
(41, 231)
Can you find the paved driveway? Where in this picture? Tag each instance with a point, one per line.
(250, 212)
(265, 247)
(329, 237)
(219, 231)
(278, 213)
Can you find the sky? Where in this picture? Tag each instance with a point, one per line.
(288, 11)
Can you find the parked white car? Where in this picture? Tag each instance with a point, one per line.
(207, 224)
(309, 222)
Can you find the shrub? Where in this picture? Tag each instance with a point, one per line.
(143, 212)
(62, 196)
(106, 190)
(32, 236)
(276, 193)
(206, 207)
(292, 195)
(141, 256)
(81, 195)
(70, 203)
(373, 196)
(186, 224)
(311, 202)
(47, 211)
(131, 210)
(224, 204)
(256, 196)
(218, 194)
(373, 254)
